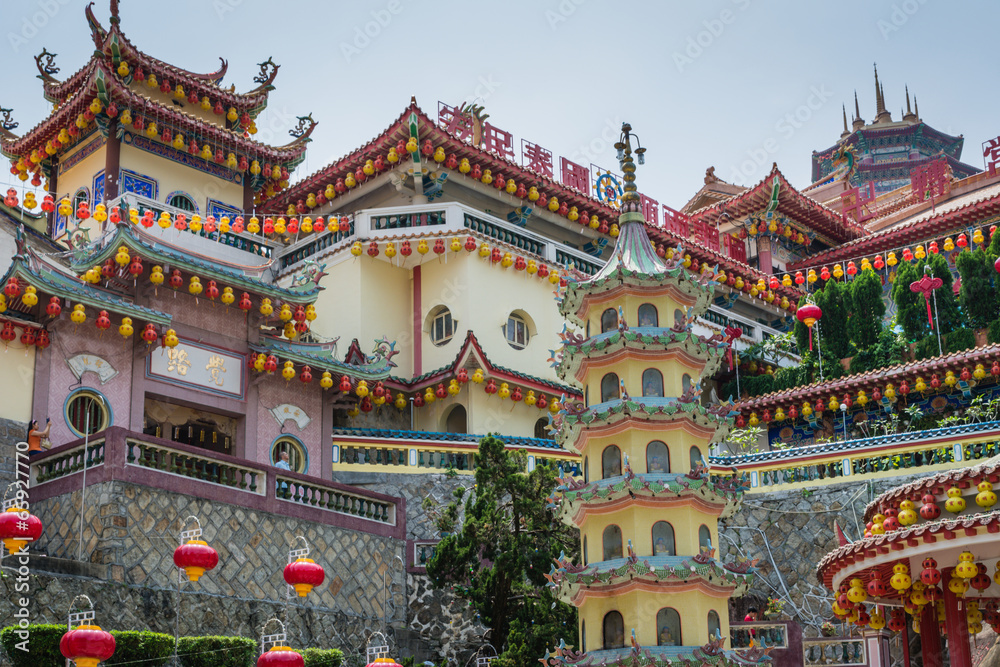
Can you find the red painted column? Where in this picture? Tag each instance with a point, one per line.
(930, 637)
(904, 638)
(956, 625)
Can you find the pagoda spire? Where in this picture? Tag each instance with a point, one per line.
(846, 132)
(916, 109)
(630, 199)
(882, 114)
(859, 122)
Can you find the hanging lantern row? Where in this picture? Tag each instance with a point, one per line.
(891, 519)
(773, 227)
(889, 260)
(239, 118)
(917, 592)
(889, 394)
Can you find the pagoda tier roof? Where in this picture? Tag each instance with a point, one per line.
(31, 269)
(944, 218)
(159, 251)
(664, 573)
(669, 488)
(320, 357)
(101, 82)
(471, 354)
(645, 342)
(574, 417)
(112, 45)
(943, 540)
(630, 269)
(709, 655)
(877, 378)
(791, 203)
(937, 485)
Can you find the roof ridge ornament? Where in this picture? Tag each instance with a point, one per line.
(45, 62)
(265, 77)
(631, 202)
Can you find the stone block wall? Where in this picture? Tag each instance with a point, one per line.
(790, 532)
(11, 433)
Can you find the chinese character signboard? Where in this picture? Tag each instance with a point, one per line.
(536, 158)
(575, 176)
(991, 155)
(200, 367)
(930, 181)
(857, 205)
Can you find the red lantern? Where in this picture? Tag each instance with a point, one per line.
(799, 278)
(740, 421)
(516, 395)
(470, 244)
(54, 307)
(933, 247)
(852, 269)
(103, 321)
(418, 400)
(542, 402)
(819, 407)
(43, 340)
(930, 575)
(496, 255)
(491, 387)
(13, 288)
(543, 271)
(48, 203)
(439, 247)
(825, 273)
(300, 314)
(982, 580)
(280, 656)
(366, 404)
(238, 225)
(809, 314)
(995, 368)
(891, 521)
(149, 334)
(793, 412)
(876, 587)
(876, 395)
(406, 249)
(28, 337)
(304, 575)
(270, 364)
(379, 390)
(904, 388)
(774, 283)
(212, 291)
(87, 645)
(245, 303)
(962, 241)
(476, 172)
(897, 620)
(499, 182)
(935, 381)
(18, 527)
(345, 384)
(930, 510)
(462, 376)
(441, 392)
(135, 268)
(319, 225)
(195, 557)
(306, 375)
(268, 225)
(147, 219)
(176, 281)
(520, 264)
(966, 375)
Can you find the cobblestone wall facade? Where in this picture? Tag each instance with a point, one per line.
(11, 433)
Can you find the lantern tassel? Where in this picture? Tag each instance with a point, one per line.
(927, 300)
(810, 338)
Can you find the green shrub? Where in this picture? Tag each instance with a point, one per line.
(141, 648)
(833, 324)
(994, 334)
(787, 378)
(867, 310)
(323, 657)
(757, 385)
(43, 646)
(978, 295)
(217, 651)
(961, 339)
(927, 347)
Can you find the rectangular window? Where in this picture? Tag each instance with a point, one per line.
(517, 332)
(443, 328)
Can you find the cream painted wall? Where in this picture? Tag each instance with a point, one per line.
(385, 308)
(17, 377)
(81, 175)
(636, 524)
(639, 610)
(630, 303)
(338, 306)
(634, 442)
(173, 176)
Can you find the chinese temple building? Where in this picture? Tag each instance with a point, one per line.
(923, 566)
(881, 154)
(649, 589)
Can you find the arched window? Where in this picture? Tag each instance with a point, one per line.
(648, 317)
(652, 382)
(457, 420)
(87, 412)
(705, 537)
(182, 201)
(611, 462)
(686, 383)
(298, 460)
(441, 325)
(714, 626)
(585, 550)
(614, 630)
(678, 316)
(609, 320)
(668, 627)
(540, 431)
(609, 388)
(612, 539)
(695, 457)
(663, 539)
(657, 457)
(516, 330)
(82, 195)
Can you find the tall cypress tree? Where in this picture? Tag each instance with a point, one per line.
(833, 324)
(978, 294)
(866, 311)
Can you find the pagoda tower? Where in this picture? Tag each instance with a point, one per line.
(649, 588)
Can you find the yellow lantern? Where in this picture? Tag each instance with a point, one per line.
(811, 276)
(977, 236)
(838, 272)
(891, 259)
(122, 257)
(170, 338)
(125, 328)
(194, 287)
(429, 396)
(156, 276)
(362, 389)
(227, 297)
(920, 385)
(862, 398)
(979, 373)
(29, 298)
(266, 308)
(950, 379)
(400, 401)
(123, 69)
(478, 376)
(919, 253)
(288, 371)
(806, 409)
(949, 245)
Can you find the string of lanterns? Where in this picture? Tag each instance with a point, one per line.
(885, 395)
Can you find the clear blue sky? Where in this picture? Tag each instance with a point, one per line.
(709, 83)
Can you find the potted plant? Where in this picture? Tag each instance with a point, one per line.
(828, 629)
(774, 608)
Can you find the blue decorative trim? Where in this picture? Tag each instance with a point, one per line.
(139, 184)
(466, 438)
(98, 189)
(89, 390)
(219, 209)
(302, 447)
(166, 200)
(169, 152)
(82, 154)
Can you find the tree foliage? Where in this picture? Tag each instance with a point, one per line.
(911, 310)
(978, 294)
(833, 333)
(502, 537)
(866, 311)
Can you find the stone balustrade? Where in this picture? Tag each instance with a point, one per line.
(834, 651)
